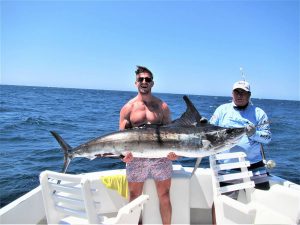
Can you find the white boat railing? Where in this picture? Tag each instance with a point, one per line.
(24, 210)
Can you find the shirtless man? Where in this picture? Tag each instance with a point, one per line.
(148, 109)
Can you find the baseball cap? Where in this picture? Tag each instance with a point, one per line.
(241, 85)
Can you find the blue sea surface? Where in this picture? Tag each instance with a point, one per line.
(27, 114)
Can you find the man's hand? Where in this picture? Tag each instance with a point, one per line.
(250, 130)
(128, 157)
(172, 156)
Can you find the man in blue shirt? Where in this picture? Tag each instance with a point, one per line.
(242, 113)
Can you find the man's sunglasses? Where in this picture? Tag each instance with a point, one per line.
(240, 92)
(147, 79)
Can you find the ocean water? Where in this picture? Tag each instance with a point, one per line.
(27, 114)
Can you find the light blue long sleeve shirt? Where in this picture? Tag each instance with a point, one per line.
(228, 116)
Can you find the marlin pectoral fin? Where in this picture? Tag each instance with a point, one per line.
(206, 144)
(198, 161)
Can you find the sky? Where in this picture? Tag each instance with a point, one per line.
(192, 47)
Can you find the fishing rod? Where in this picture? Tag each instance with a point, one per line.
(270, 164)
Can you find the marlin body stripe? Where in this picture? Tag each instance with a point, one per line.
(189, 136)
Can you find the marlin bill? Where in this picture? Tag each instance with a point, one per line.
(189, 136)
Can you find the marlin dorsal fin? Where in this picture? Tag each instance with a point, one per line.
(191, 116)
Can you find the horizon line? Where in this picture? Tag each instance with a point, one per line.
(152, 92)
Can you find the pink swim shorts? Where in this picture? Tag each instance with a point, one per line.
(139, 169)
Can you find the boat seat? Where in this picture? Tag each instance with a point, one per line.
(69, 199)
(227, 209)
(240, 180)
(112, 198)
(278, 205)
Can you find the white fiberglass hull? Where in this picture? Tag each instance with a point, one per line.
(191, 199)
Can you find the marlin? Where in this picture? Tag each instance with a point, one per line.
(189, 136)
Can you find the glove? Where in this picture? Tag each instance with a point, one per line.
(250, 130)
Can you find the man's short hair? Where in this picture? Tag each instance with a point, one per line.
(142, 69)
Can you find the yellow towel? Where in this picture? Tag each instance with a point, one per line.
(116, 182)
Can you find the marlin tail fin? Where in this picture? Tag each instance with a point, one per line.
(66, 148)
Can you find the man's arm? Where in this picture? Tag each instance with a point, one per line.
(124, 123)
(263, 131)
(215, 117)
(166, 114)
